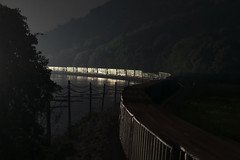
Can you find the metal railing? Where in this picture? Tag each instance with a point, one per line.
(140, 143)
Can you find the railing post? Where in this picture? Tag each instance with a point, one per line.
(103, 96)
(115, 94)
(130, 139)
(49, 123)
(69, 109)
(90, 100)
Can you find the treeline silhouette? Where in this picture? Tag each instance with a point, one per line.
(175, 36)
(25, 89)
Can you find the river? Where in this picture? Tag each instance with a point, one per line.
(80, 87)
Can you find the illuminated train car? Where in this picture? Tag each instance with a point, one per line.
(138, 73)
(92, 71)
(102, 71)
(121, 72)
(82, 70)
(130, 73)
(71, 69)
(111, 72)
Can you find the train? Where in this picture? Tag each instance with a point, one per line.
(111, 72)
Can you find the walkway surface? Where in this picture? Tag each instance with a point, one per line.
(175, 131)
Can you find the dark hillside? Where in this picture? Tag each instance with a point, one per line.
(177, 36)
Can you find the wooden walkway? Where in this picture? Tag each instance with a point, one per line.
(174, 131)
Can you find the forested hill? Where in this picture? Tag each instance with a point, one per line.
(176, 36)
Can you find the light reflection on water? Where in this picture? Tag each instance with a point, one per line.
(62, 79)
(80, 109)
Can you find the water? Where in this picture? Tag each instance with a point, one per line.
(80, 86)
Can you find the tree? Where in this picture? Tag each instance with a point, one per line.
(25, 88)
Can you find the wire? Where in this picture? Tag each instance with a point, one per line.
(79, 86)
(73, 90)
(61, 94)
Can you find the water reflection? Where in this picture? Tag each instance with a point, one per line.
(79, 109)
(62, 79)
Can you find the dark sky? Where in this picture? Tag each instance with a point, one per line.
(44, 15)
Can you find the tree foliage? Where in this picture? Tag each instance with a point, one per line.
(176, 36)
(26, 88)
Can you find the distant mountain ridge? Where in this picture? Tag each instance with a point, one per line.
(177, 36)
